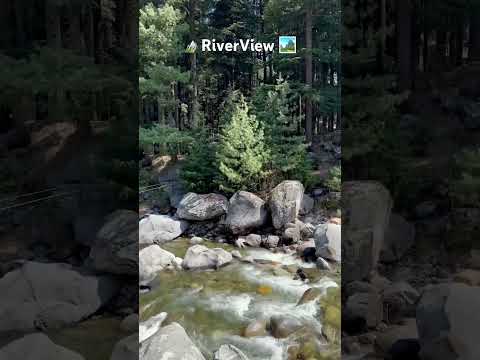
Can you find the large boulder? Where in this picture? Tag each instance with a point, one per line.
(362, 311)
(152, 260)
(246, 211)
(365, 216)
(447, 322)
(126, 349)
(150, 327)
(229, 352)
(399, 238)
(199, 257)
(328, 241)
(170, 342)
(201, 207)
(160, 229)
(36, 346)
(116, 248)
(286, 202)
(284, 325)
(50, 296)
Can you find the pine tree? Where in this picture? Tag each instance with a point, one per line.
(288, 150)
(241, 155)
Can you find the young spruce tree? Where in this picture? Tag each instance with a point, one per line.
(241, 154)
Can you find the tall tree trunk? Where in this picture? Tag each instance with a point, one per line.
(308, 74)
(383, 35)
(474, 51)
(404, 51)
(193, 108)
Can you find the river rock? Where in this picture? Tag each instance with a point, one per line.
(229, 352)
(307, 205)
(399, 238)
(270, 241)
(196, 240)
(387, 341)
(328, 241)
(310, 243)
(282, 325)
(116, 248)
(37, 346)
(149, 327)
(246, 211)
(130, 323)
(152, 260)
(323, 264)
(170, 342)
(363, 310)
(201, 207)
(366, 212)
(126, 349)
(51, 296)
(253, 240)
(292, 235)
(447, 322)
(160, 229)
(199, 257)
(400, 300)
(311, 294)
(286, 202)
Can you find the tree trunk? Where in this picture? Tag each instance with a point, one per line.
(308, 74)
(474, 51)
(383, 35)
(404, 51)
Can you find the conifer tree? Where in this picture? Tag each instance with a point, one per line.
(241, 154)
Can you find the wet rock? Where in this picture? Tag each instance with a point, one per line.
(170, 342)
(285, 202)
(323, 264)
(256, 328)
(358, 287)
(126, 349)
(152, 260)
(196, 240)
(310, 243)
(149, 327)
(51, 296)
(246, 211)
(399, 238)
(36, 346)
(309, 295)
(328, 241)
(306, 205)
(236, 254)
(253, 240)
(386, 341)
(362, 311)
(366, 212)
(282, 326)
(270, 241)
(160, 229)
(116, 248)
(469, 276)
(292, 235)
(130, 323)
(447, 322)
(229, 352)
(199, 257)
(400, 300)
(201, 207)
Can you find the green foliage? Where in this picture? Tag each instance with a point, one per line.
(171, 140)
(334, 179)
(241, 155)
(200, 169)
(465, 185)
(288, 151)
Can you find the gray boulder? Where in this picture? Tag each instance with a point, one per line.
(152, 260)
(150, 327)
(160, 229)
(116, 248)
(229, 352)
(129, 324)
(51, 296)
(170, 342)
(282, 325)
(328, 241)
(366, 308)
(270, 241)
(201, 207)
(246, 212)
(365, 216)
(307, 205)
(399, 238)
(36, 346)
(126, 349)
(253, 240)
(447, 322)
(199, 257)
(286, 202)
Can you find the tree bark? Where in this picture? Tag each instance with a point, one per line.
(308, 74)
(474, 51)
(404, 51)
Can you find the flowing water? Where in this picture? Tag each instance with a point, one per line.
(214, 307)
